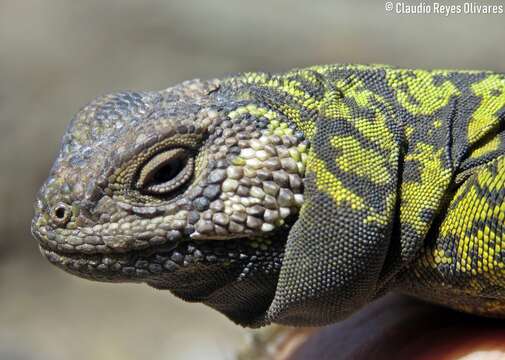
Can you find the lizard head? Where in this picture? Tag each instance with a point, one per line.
(191, 189)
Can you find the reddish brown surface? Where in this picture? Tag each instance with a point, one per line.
(398, 327)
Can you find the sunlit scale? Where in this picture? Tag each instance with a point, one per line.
(262, 187)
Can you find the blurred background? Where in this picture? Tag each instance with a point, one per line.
(55, 56)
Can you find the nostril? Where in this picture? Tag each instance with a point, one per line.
(61, 213)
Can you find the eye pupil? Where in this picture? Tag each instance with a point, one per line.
(167, 172)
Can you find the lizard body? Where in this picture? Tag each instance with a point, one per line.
(294, 198)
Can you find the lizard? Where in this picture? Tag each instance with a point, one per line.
(294, 198)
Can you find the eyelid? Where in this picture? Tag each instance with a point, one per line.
(160, 160)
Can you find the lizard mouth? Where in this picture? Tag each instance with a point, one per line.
(156, 264)
(132, 266)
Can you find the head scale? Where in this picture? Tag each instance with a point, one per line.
(192, 189)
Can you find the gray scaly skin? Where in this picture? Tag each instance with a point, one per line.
(294, 198)
(200, 241)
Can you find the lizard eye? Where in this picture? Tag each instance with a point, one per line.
(166, 172)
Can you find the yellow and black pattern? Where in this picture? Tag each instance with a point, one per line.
(395, 155)
(294, 198)
(465, 259)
